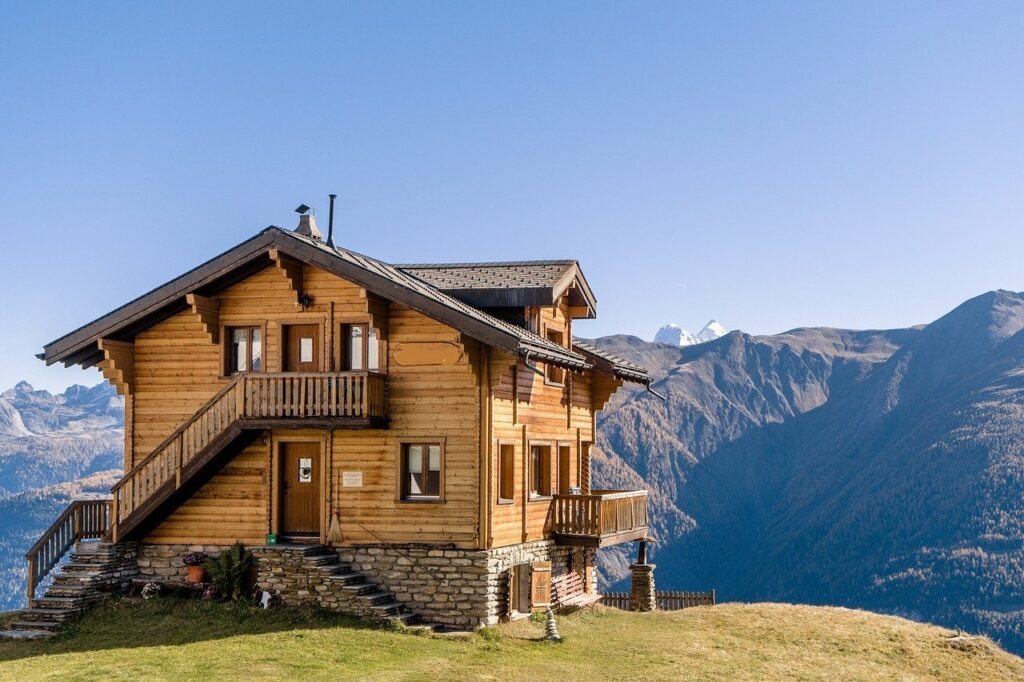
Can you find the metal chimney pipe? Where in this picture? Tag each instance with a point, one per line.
(330, 222)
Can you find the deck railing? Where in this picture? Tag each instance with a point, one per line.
(601, 514)
(251, 396)
(82, 520)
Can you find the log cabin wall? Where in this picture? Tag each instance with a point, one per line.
(179, 368)
(527, 409)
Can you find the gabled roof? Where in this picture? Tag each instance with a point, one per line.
(81, 346)
(509, 284)
(611, 363)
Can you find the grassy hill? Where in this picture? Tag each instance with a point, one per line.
(170, 639)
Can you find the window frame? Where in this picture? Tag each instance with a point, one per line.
(400, 492)
(539, 495)
(226, 333)
(346, 347)
(559, 446)
(551, 370)
(511, 474)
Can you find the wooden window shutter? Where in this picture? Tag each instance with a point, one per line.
(540, 579)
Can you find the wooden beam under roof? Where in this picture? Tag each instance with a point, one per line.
(118, 364)
(208, 312)
(291, 268)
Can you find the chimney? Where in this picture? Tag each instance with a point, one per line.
(307, 224)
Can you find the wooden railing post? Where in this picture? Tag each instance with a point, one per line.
(31, 581)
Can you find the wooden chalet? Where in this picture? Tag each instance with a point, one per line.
(407, 441)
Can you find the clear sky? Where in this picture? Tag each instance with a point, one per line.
(771, 165)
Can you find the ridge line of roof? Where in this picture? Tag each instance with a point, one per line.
(482, 264)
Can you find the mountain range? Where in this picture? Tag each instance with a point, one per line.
(674, 335)
(873, 469)
(53, 448)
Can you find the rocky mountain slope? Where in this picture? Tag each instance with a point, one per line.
(878, 469)
(53, 448)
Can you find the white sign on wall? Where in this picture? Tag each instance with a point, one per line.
(352, 479)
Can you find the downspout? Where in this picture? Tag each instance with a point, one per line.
(655, 393)
(534, 368)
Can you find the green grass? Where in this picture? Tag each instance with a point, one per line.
(168, 639)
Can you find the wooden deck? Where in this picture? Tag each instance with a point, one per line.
(600, 519)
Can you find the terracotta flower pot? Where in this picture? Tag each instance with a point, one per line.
(196, 574)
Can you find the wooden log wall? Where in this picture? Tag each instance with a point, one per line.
(526, 410)
(179, 369)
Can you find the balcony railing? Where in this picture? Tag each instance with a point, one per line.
(600, 519)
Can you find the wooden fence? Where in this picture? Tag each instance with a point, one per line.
(667, 601)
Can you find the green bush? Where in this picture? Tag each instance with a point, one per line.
(230, 571)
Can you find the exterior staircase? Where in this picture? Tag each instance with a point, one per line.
(334, 585)
(93, 569)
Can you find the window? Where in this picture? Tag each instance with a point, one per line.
(540, 471)
(362, 347)
(553, 373)
(421, 471)
(533, 320)
(245, 349)
(564, 477)
(506, 473)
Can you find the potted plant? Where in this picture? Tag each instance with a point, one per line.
(196, 566)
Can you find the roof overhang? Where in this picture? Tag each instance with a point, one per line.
(82, 345)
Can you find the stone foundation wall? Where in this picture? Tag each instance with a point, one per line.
(454, 587)
(162, 563)
(116, 566)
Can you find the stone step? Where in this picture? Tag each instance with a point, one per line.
(348, 578)
(69, 589)
(59, 602)
(359, 587)
(376, 597)
(48, 625)
(27, 633)
(390, 608)
(47, 614)
(320, 559)
(407, 619)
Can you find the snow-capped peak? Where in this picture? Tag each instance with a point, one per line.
(674, 335)
(711, 331)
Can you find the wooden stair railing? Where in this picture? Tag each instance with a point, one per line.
(251, 396)
(82, 520)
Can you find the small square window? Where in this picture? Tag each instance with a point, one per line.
(421, 471)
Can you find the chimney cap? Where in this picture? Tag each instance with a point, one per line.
(302, 209)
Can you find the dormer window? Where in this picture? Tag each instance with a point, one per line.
(245, 349)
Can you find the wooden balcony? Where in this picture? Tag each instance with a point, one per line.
(312, 396)
(600, 519)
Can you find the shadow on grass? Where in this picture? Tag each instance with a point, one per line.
(167, 621)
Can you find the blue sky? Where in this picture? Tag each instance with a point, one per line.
(772, 165)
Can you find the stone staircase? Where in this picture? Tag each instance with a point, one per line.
(94, 569)
(313, 574)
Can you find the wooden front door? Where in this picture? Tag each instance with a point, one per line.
(302, 348)
(300, 489)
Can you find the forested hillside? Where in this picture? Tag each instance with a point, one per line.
(882, 470)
